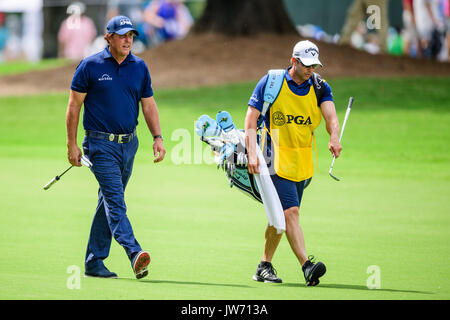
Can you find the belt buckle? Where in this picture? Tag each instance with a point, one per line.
(123, 138)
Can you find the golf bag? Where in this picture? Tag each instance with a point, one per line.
(228, 146)
(230, 154)
(232, 158)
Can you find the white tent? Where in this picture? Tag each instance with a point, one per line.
(32, 25)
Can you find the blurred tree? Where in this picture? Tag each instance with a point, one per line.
(249, 17)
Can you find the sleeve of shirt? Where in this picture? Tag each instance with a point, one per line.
(80, 80)
(327, 94)
(257, 99)
(147, 90)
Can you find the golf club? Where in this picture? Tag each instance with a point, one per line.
(350, 102)
(84, 160)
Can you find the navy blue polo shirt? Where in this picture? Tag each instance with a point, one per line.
(302, 89)
(113, 91)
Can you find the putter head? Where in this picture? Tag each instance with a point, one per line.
(334, 177)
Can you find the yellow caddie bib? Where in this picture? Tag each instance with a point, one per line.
(293, 119)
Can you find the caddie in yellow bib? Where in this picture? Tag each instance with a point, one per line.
(293, 121)
(289, 105)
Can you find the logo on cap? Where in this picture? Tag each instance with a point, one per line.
(120, 25)
(125, 21)
(312, 50)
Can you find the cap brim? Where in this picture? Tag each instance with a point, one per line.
(123, 31)
(310, 61)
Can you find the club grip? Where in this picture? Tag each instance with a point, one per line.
(350, 102)
(48, 185)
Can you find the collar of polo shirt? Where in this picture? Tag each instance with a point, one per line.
(107, 55)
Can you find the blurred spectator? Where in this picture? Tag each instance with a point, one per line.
(357, 13)
(372, 45)
(447, 22)
(3, 36)
(358, 38)
(430, 20)
(76, 33)
(13, 48)
(97, 45)
(167, 20)
(411, 43)
(395, 41)
(130, 8)
(316, 32)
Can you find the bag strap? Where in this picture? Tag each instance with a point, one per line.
(275, 81)
(272, 89)
(275, 78)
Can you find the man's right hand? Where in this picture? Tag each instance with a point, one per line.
(251, 120)
(74, 155)
(253, 164)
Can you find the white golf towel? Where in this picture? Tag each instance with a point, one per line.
(269, 195)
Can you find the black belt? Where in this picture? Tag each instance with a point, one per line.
(119, 138)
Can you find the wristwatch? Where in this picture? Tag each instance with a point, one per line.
(157, 136)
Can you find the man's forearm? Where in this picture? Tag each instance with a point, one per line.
(333, 128)
(250, 139)
(76, 100)
(332, 122)
(250, 135)
(72, 119)
(151, 116)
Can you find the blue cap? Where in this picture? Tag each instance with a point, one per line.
(120, 25)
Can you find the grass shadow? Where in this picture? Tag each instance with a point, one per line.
(356, 287)
(187, 283)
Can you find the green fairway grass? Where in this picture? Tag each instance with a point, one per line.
(390, 210)
(16, 67)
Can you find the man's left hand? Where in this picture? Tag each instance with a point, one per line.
(158, 150)
(335, 147)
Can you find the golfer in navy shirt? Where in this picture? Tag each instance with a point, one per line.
(111, 84)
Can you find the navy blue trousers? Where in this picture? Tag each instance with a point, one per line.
(112, 167)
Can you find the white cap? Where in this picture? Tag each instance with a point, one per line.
(307, 52)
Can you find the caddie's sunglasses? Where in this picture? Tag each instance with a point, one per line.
(312, 66)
